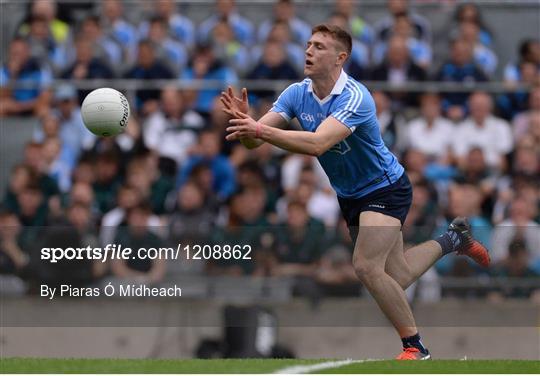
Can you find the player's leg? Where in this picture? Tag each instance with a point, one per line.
(407, 266)
(376, 236)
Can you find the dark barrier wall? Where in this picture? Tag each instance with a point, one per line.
(168, 339)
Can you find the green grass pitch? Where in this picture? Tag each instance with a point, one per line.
(35, 365)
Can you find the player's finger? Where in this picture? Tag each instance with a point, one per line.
(226, 102)
(237, 129)
(236, 121)
(229, 112)
(242, 115)
(232, 136)
(230, 91)
(244, 95)
(227, 97)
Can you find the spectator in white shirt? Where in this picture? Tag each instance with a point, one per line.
(172, 131)
(521, 225)
(521, 122)
(392, 123)
(431, 133)
(292, 167)
(485, 131)
(320, 202)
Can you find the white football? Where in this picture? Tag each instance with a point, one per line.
(105, 112)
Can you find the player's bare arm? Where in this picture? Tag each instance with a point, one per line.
(329, 133)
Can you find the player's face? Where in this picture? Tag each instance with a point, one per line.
(321, 55)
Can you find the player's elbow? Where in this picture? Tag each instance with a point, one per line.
(316, 151)
(315, 146)
(320, 147)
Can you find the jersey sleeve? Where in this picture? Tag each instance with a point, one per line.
(285, 104)
(354, 108)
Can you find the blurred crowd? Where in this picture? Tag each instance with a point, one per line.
(172, 178)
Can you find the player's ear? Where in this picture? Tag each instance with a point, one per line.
(341, 58)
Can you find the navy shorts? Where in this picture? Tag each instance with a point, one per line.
(393, 200)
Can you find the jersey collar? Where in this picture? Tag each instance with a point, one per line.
(336, 90)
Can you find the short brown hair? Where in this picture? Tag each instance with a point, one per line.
(336, 33)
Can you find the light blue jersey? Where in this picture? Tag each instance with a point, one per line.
(361, 163)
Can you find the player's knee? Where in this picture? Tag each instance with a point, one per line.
(366, 269)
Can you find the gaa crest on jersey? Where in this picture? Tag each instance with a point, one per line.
(307, 117)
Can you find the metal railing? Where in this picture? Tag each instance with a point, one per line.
(276, 85)
(363, 3)
(490, 282)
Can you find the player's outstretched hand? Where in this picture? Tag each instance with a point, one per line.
(233, 105)
(243, 127)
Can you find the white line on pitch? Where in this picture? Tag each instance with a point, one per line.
(318, 366)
